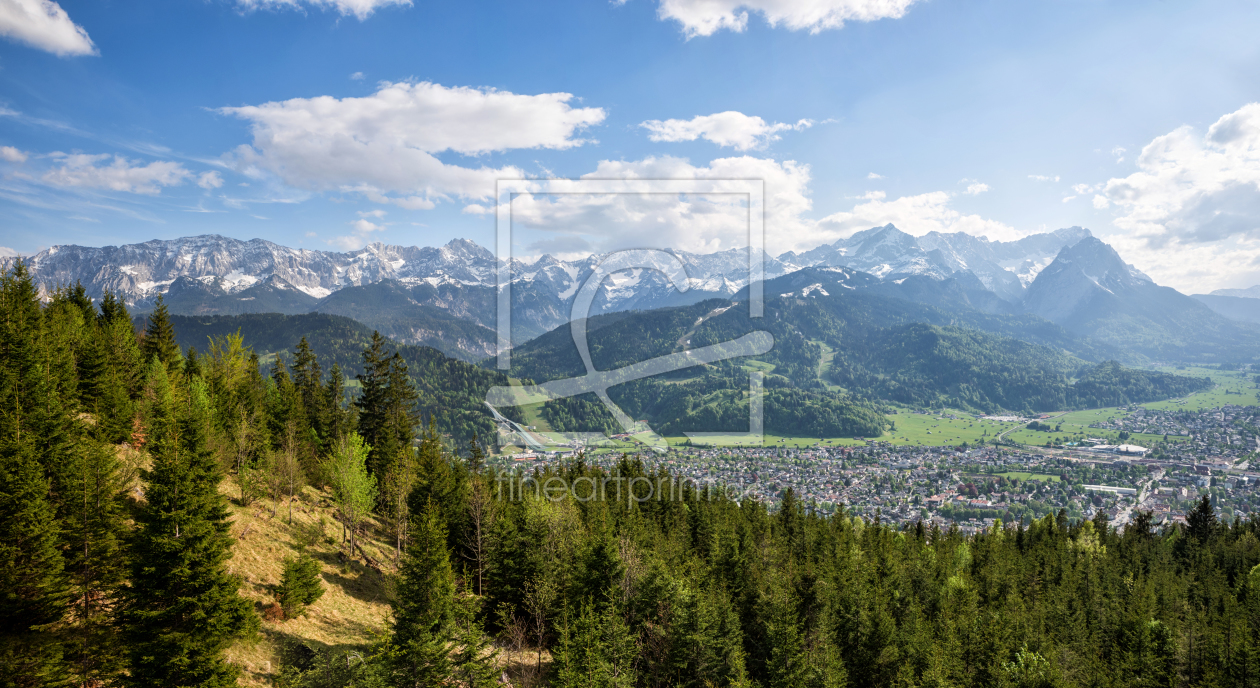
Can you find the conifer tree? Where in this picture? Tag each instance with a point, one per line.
(96, 564)
(183, 607)
(33, 587)
(387, 415)
(425, 610)
(338, 419)
(307, 378)
(159, 337)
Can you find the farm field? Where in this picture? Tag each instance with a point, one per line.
(1231, 388)
(933, 430)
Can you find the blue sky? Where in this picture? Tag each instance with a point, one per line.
(328, 123)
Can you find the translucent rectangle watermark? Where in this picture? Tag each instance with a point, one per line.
(596, 381)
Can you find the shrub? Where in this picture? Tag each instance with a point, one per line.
(299, 585)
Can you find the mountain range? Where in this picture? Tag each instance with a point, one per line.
(445, 297)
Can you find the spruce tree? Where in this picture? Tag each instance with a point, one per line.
(159, 337)
(33, 587)
(338, 418)
(183, 607)
(425, 610)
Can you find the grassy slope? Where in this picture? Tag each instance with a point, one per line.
(354, 609)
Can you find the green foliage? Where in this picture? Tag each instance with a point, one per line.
(183, 609)
(449, 390)
(877, 349)
(300, 585)
(354, 487)
(159, 337)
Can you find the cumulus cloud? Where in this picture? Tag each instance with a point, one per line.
(121, 175)
(700, 223)
(362, 227)
(917, 215)
(976, 188)
(706, 17)
(6, 252)
(210, 180)
(1194, 196)
(361, 9)
(357, 76)
(11, 154)
(43, 24)
(874, 175)
(1118, 153)
(1043, 178)
(734, 129)
(1195, 188)
(387, 143)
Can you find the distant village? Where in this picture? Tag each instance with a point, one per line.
(1206, 452)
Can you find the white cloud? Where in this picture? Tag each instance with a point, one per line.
(706, 17)
(476, 209)
(1118, 153)
(730, 128)
(6, 252)
(873, 175)
(121, 175)
(348, 243)
(917, 215)
(362, 228)
(357, 76)
(11, 154)
(699, 223)
(43, 24)
(210, 180)
(362, 9)
(976, 188)
(387, 142)
(1196, 198)
(1043, 178)
(378, 213)
(1101, 202)
(310, 234)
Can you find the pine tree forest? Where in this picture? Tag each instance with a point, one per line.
(120, 455)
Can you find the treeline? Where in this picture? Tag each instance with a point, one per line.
(1111, 384)
(450, 391)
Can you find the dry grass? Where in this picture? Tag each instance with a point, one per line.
(354, 610)
(355, 607)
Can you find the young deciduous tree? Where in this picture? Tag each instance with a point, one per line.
(288, 476)
(354, 489)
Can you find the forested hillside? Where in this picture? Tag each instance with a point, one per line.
(450, 390)
(117, 454)
(836, 360)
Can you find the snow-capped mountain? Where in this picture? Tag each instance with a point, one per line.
(1004, 267)
(1090, 290)
(210, 274)
(141, 271)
